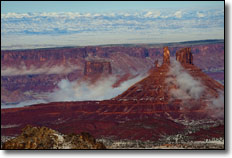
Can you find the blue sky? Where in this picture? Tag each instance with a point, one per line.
(39, 24)
(100, 6)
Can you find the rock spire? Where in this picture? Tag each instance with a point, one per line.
(166, 58)
(184, 56)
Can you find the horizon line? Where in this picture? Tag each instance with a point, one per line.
(73, 46)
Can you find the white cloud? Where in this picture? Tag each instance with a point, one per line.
(87, 15)
(14, 15)
(72, 15)
(164, 16)
(183, 86)
(156, 14)
(126, 14)
(186, 86)
(74, 23)
(216, 105)
(178, 14)
(80, 91)
(148, 14)
(200, 15)
(44, 69)
(96, 15)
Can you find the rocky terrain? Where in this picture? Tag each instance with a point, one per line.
(45, 138)
(29, 73)
(175, 106)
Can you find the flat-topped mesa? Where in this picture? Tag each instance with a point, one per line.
(166, 58)
(184, 56)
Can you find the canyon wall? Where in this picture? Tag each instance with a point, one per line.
(39, 70)
(97, 67)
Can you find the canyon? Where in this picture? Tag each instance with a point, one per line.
(174, 105)
(28, 74)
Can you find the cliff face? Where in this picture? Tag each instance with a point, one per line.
(166, 58)
(20, 88)
(34, 66)
(146, 111)
(77, 56)
(40, 70)
(156, 86)
(184, 56)
(97, 67)
(15, 96)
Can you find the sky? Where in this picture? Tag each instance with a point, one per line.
(98, 6)
(28, 24)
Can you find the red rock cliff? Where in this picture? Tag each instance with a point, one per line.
(166, 58)
(97, 67)
(184, 56)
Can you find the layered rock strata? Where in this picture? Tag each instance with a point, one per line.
(184, 56)
(97, 67)
(146, 111)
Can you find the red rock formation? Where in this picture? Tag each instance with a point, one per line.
(166, 58)
(97, 67)
(145, 111)
(118, 119)
(154, 88)
(15, 96)
(184, 56)
(57, 56)
(123, 59)
(156, 63)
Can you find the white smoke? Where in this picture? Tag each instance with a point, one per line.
(80, 91)
(44, 69)
(184, 86)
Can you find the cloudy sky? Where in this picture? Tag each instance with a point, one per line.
(43, 24)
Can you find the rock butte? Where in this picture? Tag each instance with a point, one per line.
(123, 60)
(143, 112)
(184, 56)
